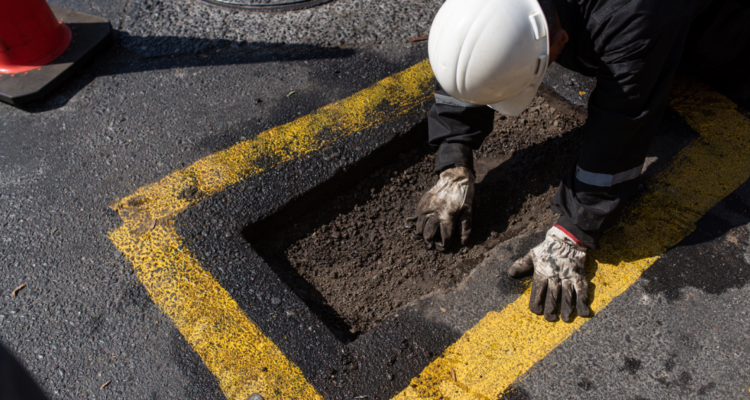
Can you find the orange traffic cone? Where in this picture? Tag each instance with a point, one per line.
(40, 45)
(30, 36)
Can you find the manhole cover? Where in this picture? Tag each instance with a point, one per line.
(266, 5)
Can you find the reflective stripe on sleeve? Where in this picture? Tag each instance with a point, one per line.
(606, 180)
(450, 101)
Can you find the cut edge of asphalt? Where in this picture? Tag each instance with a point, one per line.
(164, 265)
(243, 360)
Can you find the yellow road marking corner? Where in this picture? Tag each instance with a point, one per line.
(385, 101)
(505, 345)
(233, 348)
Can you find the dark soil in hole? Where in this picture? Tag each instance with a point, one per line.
(353, 262)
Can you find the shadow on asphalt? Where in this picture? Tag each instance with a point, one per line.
(132, 54)
(738, 92)
(714, 258)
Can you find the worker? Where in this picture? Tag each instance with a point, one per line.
(496, 53)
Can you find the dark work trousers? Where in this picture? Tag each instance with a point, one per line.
(622, 121)
(15, 382)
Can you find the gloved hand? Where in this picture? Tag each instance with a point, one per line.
(557, 263)
(442, 206)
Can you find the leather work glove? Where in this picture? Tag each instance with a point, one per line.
(558, 265)
(448, 202)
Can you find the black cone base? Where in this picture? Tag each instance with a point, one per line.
(90, 34)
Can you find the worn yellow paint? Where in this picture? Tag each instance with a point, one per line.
(504, 345)
(232, 346)
(387, 100)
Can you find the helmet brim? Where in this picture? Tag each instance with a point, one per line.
(515, 105)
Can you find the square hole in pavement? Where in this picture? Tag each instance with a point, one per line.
(344, 250)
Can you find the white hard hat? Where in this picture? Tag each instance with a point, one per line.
(490, 52)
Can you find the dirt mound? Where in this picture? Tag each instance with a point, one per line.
(353, 262)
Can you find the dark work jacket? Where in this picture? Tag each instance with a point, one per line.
(634, 49)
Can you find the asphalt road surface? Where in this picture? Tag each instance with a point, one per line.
(183, 81)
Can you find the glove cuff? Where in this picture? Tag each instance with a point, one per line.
(458, 173)
(561, 234)
(453, 154)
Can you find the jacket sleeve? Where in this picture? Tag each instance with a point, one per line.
(633, 81)
(455, 129)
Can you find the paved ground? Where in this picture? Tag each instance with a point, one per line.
(183, 81)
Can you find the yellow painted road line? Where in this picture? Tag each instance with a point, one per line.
(385, 101)
(243, 360)
(504, 345)
(232, 347)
